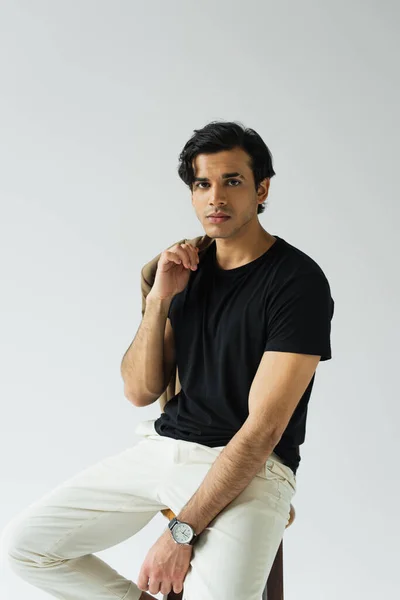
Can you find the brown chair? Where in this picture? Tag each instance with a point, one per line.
(274, 588)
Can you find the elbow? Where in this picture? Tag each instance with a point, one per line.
(130, 397)
(264, 437)
(142, 400)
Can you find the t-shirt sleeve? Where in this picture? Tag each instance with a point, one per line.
(299, 317)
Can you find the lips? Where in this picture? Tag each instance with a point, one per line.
(218, 219)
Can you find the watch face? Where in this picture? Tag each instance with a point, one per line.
(182, 533)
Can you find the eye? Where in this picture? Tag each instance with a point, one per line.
(199, 183)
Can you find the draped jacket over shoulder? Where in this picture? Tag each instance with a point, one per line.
(148, 274)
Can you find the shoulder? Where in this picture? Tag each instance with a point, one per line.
(298, 276)
(295, 265)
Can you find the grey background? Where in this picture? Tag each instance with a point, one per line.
(96, 101)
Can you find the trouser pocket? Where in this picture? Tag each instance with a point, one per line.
(145, 428)
(283, 473)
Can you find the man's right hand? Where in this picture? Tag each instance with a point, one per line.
(173, 270)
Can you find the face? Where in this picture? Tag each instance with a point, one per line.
(224, 182)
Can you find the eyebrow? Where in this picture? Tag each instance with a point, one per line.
(224, 176)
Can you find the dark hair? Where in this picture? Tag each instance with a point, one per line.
(226, 135)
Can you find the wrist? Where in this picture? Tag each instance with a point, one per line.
(160, 304)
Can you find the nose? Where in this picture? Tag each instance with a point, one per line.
(217, 193)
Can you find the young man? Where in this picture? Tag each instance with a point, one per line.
(246, 326)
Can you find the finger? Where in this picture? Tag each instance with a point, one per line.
(194, 253)
(177, 587)
(143, 581)
(154, 586)
(184, 253)
(165, 588)
(183, 256)
(191, 254)
(173, 256)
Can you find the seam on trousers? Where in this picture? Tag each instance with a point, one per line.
(89, 576)
(129, 589)
(74, 529)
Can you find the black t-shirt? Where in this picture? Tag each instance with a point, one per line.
(223, 322)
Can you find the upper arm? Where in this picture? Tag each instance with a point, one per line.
(298, 338)
(169, 352)
(299, 317)
(279, 384)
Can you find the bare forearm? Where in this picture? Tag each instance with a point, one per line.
(231, 472)
(142, 366)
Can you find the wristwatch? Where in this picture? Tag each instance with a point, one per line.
(182, 533)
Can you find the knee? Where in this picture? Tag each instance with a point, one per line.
(16, 546)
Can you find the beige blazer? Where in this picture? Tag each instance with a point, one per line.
(148, 274)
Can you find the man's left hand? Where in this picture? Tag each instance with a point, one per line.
(165, 566)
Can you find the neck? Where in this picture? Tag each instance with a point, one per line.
(234, 252)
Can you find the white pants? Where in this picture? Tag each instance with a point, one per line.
(52, 543)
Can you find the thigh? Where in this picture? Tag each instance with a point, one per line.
(234, 554)
(95, 509)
